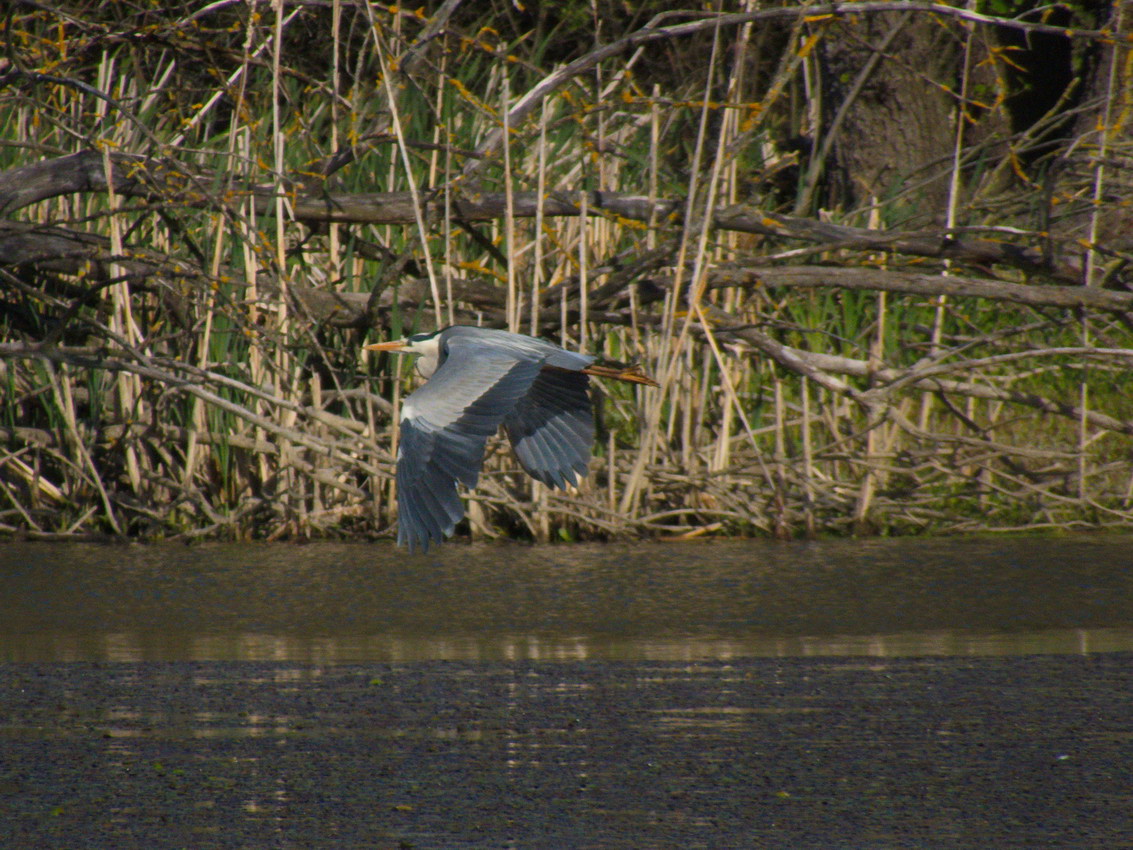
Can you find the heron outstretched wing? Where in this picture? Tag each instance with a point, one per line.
(444, 427)
(552, 428)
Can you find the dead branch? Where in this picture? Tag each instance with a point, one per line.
(136, 176)
(913, 283)
(936, 244)
(887, 381)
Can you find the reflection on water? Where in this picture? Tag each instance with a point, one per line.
(393, 649)
(337, 604)
(1019, 751)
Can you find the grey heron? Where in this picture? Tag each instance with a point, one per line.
(478, 380)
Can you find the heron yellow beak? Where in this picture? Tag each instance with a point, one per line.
(391, 345)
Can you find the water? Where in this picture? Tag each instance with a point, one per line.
(331, 603)
(857, 694)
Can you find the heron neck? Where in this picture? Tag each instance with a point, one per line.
(426, 366)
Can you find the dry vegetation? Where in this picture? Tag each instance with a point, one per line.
(879, 262)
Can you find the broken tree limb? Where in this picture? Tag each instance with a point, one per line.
(887, 380)
(914, 283)
(140, 177)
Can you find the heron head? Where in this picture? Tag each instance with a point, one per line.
(425, 344)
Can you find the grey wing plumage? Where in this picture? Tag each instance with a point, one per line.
(552, 428)
(444, 427)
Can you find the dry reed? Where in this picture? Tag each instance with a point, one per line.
(204, 226)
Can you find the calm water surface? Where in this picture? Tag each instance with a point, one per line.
(356, 603)
(856, 694)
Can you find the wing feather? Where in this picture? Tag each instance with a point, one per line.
(552, 427)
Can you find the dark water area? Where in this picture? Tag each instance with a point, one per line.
(849, 694)
(330, 603)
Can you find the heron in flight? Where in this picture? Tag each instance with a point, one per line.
(479, 379)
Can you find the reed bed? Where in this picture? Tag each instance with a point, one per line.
(208, 210)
